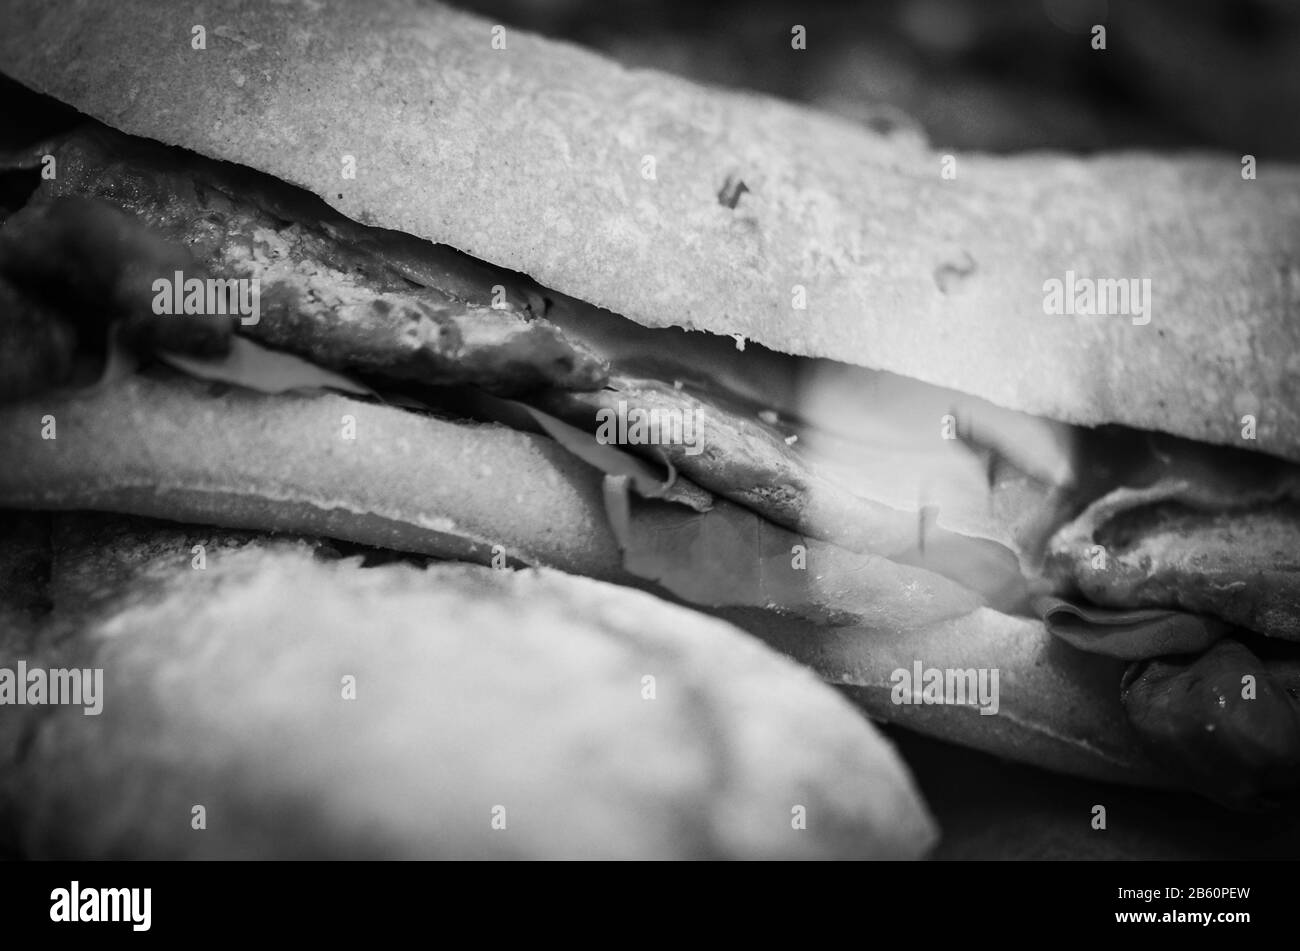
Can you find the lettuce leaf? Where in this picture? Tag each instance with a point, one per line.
(1130, 635)
(254, 367)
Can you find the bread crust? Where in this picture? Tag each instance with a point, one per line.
(532, 157)
(478, 695)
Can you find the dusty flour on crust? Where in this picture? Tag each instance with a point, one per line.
(531, 157)
(474, 688)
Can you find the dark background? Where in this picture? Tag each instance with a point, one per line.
(986, 75)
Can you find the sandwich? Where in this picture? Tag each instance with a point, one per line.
(1004, 448)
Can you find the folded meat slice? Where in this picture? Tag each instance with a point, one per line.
(750, 461)
(1216, 533)
(1152, 547)
(747, 460)
(346, 296)
(1227, 721)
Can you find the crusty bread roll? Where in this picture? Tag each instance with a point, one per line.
(531, 156)
(474, 690)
